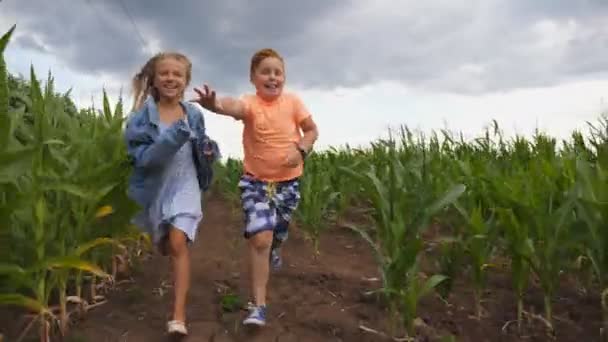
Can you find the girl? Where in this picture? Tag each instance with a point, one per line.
(172, 157)
(278, 133)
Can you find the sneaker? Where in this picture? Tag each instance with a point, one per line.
(275, 259)
(176, 329)
(257, 316)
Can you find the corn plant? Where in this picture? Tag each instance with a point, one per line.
(450, 263)
(317, 196)
(536, 213)
(592, 207)
(401, 213)
(226, 179)
(478, 244)
(59, 168)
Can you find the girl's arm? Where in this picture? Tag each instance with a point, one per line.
(225, 106)
(146, 153)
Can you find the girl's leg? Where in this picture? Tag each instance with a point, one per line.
(181, 271)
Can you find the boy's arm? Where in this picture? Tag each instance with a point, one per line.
(231, 107)
(310, 134)
(307, 125)
(225, 106)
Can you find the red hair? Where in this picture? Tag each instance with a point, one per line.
(262, 54)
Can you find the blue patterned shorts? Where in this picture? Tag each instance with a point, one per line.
(268, 206)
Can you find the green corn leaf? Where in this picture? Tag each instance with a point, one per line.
(118, 110)
(12, 269)
(430, 284)
(377, 252)
(71, 189)
(450, 197)
(5, 121)
(54, 142)
(83, 248)
(6, 38)
(17, 275)
(37, 106)
(107, 111)
(16, 158)
(74, 262)
(24, 302)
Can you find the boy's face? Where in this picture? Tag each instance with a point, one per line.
(268, 78)
(170, 78)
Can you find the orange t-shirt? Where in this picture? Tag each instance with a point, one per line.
(270, 130)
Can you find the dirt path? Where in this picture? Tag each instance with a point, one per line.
(308, 300)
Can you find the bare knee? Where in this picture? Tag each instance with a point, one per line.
(261, 241)
(177, 242)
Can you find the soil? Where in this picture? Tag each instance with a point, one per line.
(316, 298)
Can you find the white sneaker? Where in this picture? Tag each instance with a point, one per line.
(176, 328)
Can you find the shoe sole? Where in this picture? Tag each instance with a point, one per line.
(256, 322)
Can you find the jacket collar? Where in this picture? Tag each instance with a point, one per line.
(154, 115)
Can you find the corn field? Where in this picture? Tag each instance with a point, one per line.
(64, 213)
(536, 208)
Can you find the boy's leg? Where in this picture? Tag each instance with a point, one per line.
(287, 199)
(259, 250)
(260, 219)
(181, 271)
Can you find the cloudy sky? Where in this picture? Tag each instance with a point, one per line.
(361, 66)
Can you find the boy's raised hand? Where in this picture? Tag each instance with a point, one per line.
(207, 99)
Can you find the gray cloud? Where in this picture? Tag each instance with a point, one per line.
(29, 42)
(490, 45)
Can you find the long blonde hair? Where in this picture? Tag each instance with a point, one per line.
(143, 81)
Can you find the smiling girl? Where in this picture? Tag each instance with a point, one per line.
(172, 158)
(278, 133)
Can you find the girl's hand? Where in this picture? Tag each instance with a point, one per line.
(293, 158)
(207, 99)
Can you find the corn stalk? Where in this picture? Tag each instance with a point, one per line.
(400, 215)
(58, 166)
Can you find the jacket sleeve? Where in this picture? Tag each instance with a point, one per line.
(210, 148)
(146, 153)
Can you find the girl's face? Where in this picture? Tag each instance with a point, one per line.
(268, 78)
(170, 78)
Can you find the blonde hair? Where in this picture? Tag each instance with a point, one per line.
(143, 81)
(262, 54)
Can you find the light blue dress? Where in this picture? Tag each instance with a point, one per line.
(178, 202)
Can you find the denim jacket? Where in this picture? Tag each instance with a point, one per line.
(150, 151)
